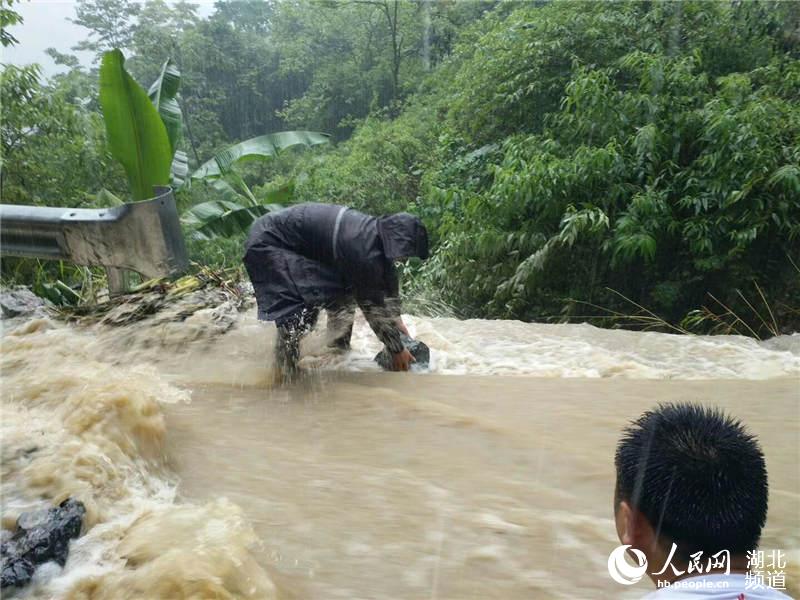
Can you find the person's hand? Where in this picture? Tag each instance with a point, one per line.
(402, 360)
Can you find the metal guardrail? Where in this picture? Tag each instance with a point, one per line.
(144, 237)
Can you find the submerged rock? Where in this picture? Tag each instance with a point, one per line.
(420, 352)
(41, 536)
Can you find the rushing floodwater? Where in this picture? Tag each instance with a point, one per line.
(491, 477)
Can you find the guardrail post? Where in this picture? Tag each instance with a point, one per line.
(119, 281)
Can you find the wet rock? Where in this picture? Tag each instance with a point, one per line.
(16, 572)
(41, 536)
(19, 301)
(420, 352)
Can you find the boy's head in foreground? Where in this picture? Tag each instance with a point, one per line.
(689, 475)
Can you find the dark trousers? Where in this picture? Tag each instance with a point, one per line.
(291, 330)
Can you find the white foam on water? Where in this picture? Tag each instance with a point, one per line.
(73, 426)
(508, 348)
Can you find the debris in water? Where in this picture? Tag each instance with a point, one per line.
(163, 300)
(41, 536)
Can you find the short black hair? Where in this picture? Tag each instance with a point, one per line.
(697, 475)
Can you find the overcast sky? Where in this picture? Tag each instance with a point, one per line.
(46, 26)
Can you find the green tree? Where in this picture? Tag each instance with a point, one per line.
(111, 24)
(8, 17)
(53, 151)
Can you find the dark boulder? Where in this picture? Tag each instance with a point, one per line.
(41, 536)
(420, 352)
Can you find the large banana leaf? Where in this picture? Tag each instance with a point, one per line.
(164, 95)
(257, 147)
(137, 137)
(220, 218)
(231, 215)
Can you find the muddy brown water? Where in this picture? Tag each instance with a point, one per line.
(489, 477)
(390, 486)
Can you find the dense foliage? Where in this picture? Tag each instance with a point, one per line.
(623, 155)
(570, 158)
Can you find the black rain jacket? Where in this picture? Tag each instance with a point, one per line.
(312, 255)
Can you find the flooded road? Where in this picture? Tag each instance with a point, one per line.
(490, 477)
(389, 486)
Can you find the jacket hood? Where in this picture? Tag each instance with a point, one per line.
(403, 235)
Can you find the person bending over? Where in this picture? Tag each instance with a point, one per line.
(691, 495)
(312, 256)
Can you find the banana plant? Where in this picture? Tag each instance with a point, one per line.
(145, 129)
(237, 207)
(222, 165)
(226, 216)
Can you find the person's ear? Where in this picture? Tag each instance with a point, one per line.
(634, 529)
(626, 523)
